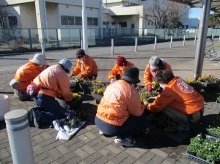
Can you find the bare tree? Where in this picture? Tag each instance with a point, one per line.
(214, 20)
(166, 14)
(3, 17)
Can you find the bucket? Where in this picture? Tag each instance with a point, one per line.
(4, 106)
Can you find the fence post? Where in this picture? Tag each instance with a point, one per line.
(19, 136)
(43, 47)
(136, 44)
(195, 40)
(81, 44)
(112, 46)
(80, 38)
(58, 45)
(171, 41)
(184, 40)
(155, 43)
(30, 40)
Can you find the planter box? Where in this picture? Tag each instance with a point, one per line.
(75, 104)
(197, 86)
(85, 88)
(209, 86)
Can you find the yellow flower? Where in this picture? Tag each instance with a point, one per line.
(76, 96)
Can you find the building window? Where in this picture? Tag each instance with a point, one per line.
(148, 23)
(67, 20)
(89, 21)
(12, 21)
(92, 21)
(95, 21)
(78, 20)
(71, 20)
(123, 24)
(64, 20)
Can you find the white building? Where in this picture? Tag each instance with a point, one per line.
(62, 19)
(129, 13)
(51, 14)
(191, 23)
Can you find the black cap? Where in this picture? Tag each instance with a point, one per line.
(131, 74)
(80, 53)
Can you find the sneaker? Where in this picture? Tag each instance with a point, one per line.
(101, 132)
(125, 141)
(32, 117)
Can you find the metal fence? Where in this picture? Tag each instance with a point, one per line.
(20, 39)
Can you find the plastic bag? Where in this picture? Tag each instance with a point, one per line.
(65, 131)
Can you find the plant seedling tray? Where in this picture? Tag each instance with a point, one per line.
(199, 159)
(213, 136)
(196, 158)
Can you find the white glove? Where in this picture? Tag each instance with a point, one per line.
(112, 80)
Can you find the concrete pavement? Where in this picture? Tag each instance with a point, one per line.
(88, 146)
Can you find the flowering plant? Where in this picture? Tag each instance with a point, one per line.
(191, 81)
(148, 96)
(99, 87)
(76, 96)
(209, 79)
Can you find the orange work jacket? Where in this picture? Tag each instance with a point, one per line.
(120, 101)
(26, 73)
(85, 68)
(54, 82)
(180, 96)
(118, 70)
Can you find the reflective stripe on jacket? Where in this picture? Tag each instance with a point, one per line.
(118, 70)
(54, 82)
(85, 68)
(180, 96)
(120, 101)
(148, 77)
(26, 73)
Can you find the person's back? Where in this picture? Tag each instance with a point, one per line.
(179, 101)
(54, 83)
(120, 111)
(26, 73)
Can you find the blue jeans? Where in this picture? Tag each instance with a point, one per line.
(53, 109)
(131, 126)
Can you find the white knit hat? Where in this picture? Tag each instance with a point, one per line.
(39, 59)
(154, 61)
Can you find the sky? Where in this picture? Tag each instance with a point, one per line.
(194, 12)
